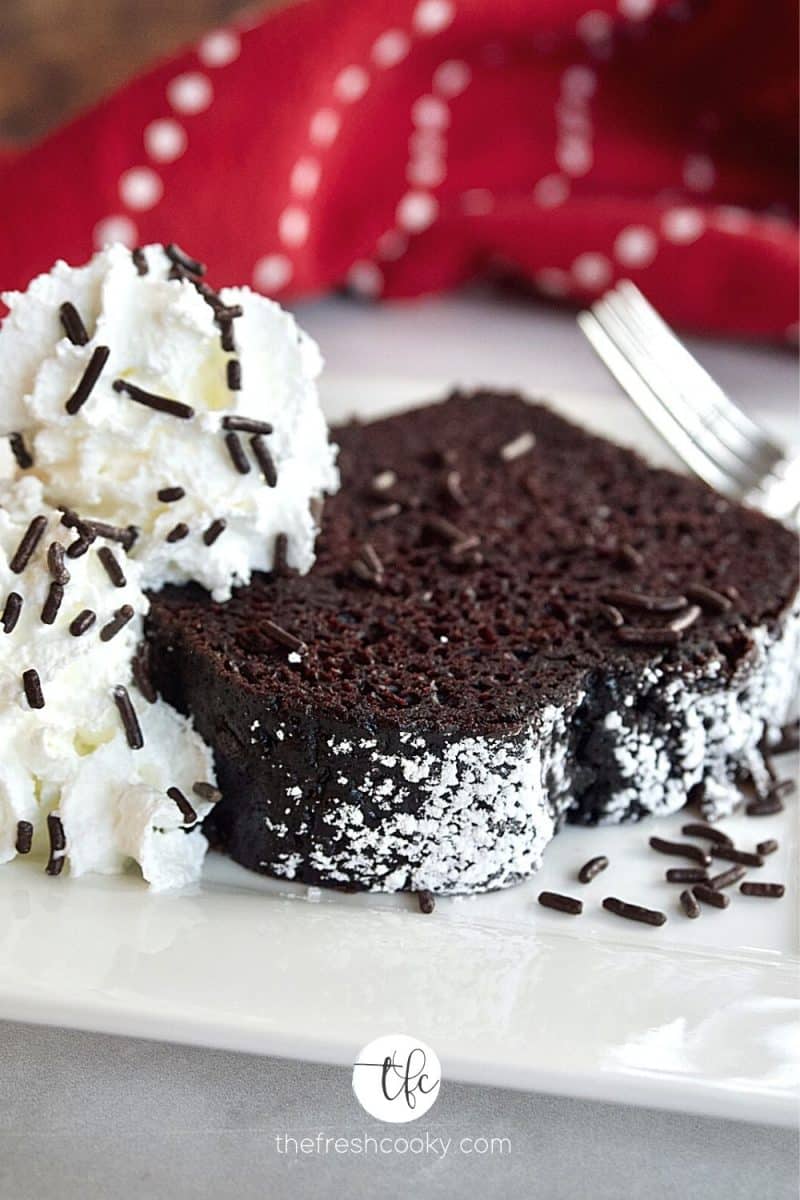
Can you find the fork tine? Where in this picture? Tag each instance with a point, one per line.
(659, 380)
(653, 409)
(698, 383)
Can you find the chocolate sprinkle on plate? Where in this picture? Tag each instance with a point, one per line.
(731, 854)
(689, 904)
(773, 890)
(119, 620)
(283, 637)
(58, 845)
(767, 847)
(426, 901)
(709, 895)
(87, 381)
(733, 875)
(236, 451)
(642, 602)
(181, 259)
(591, 869)
(163, 404)
(33, 688)
(169, 494)
(699, 830)
(24, 837)
(30, 540)
(634, 912)
(178, 532)
(84, 620)
(22, 454)
(246, 425)
(72, 324)
(55, 594)
(707, 598)
(233, 373)
(214, 530)
(783, 787)
(264, 460)
(11, 612)
(680, 849)
(112, 568)
(565, 904)
(130, 722)
(687, 875)
(186, 810)
(765, 808)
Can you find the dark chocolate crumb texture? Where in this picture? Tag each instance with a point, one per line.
(510, 623)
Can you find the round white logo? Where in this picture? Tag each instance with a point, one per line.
(396, 1078)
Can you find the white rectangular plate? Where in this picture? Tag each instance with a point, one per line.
(699, 1015)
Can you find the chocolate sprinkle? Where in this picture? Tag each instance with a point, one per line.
(125, 535)
(13, 608)
(280, 561)
(173, 408)
(591, 869)
(55, 563)
(130, 722)
(21, 453)
(58, 844)
(783, 787)
(168, 494)
(689, 904)
(33, 688)
(731, 854)
(55, 594)
(733, 875)
(642, 602)
(634, 912)
(112, 568)
(773, 890)
(187, 812)
(207, 791)
(214, 530)
(767, 847)
(87, 381)
(426, 901)
(685, 619)
(445, 528)
(453, 488)
(178, 532)
(707, 598)
(687, 875)
(680, 849)
(234, 374)
(283, 637)
(140, 666)
(384, 481)
(789, 739)
(226, 338)
(84, 620)
(708, 895)
(24, 837)
(236, 451)
(30, 540)
(629, 557)
(119, 620)
(181, 259)
(73, 326)
(565, 904)
(765, 808)
(246, 425)
(643, 635)
(139, 260)
(264, 460)
(518, 446)
(79, 547)
(385, 512)
(611, 614)
(699, 830)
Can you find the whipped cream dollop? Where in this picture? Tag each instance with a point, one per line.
(153, 402)
(76, 622)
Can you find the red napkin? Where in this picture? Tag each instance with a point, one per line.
(405, 146)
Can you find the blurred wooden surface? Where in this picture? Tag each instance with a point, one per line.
(57, 56)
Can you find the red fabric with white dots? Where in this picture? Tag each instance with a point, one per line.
(405, 146)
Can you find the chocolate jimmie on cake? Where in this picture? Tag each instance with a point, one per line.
(510, 623)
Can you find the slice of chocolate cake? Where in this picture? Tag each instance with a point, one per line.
(510, 622)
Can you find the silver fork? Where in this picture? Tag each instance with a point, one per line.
(713, 437)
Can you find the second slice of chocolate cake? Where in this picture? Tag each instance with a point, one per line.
(510, 623)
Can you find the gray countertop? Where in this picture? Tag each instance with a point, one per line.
(89, 1116)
